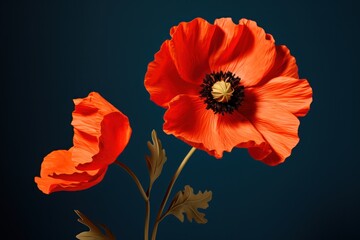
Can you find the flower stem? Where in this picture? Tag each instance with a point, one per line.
(143, 194)
(136, 180)
(168, 191)
(147, 220)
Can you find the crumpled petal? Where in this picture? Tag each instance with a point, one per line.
(101, 132)
(247, 51)
(93, 116)
(278, 127)
(285, 64)
(191, 45)
(162, 79)
(58, 173)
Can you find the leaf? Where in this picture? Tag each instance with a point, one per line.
(157, 158)
(95, 233)
(187, 202)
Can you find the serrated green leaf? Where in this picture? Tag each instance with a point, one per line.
(186, 202)
(157, 158)
(94, 232)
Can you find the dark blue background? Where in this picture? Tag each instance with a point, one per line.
(54, 51)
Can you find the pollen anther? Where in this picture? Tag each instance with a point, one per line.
(222, 91)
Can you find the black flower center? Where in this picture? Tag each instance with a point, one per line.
(222, 92)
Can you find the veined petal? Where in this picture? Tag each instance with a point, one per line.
(94, 102)
(50, 185)
(58, 173)
(190, 48)
(285, 64)
(294, 95)
(115, 135)
(89, 113)
(92, 118)
(231, 38)
(188, 119)
(163, 81)
(278, 127)
(249, 52)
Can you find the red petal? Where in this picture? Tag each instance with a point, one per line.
(188, 120)
(92, 103)
(162, 79)
(231, 41)
(58, 173)
(191, 45)
(292, 94)
(279, 128)
(285, 64)
(92, 118)
(248, 51)
(115, 135)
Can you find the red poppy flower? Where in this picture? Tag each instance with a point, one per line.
(101, 132)
(228, 85)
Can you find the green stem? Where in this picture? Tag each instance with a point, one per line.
(136, 180)
(168, 191)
